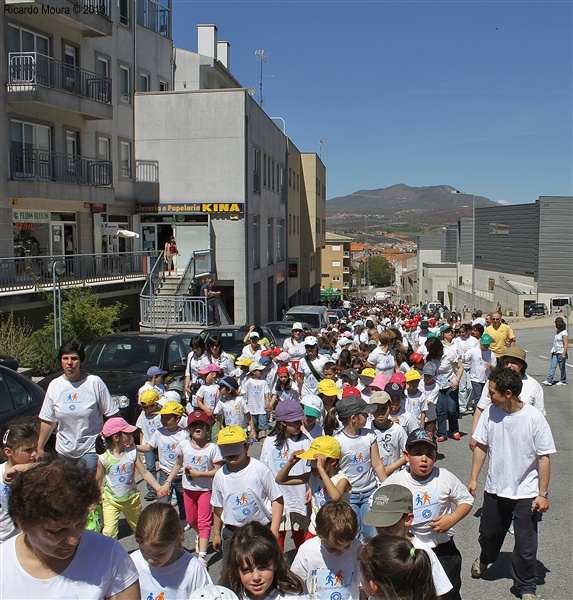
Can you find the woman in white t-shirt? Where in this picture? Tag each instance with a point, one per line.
(294, 344)
(55, 557)
(559, 353)
(77, 403)
(196, 360)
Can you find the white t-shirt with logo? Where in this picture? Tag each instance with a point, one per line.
(209, 395)
(85, 578)
(476, 357)
(166, 443)
(319, 496)
(327, 576)
(391, 443)
(78, 408)
(310, 382)
(416, 404)
(275, 458)
(119, 482)
(382, 361)
(234, 411)
(177, 580)
(514, 441)
(200, 459)
(255, 391)
(355, 461)
(430, 394)
(245, 495)
(148, 425)
(434, 496)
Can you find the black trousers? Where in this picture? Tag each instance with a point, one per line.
(451, 561)
(496, 516)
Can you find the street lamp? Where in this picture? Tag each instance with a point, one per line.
(473, 247)
(58, 269)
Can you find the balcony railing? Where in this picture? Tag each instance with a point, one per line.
(53, 166)
(30, 273)
(147, 171)
(26, 70)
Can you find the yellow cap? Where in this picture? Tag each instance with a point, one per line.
(233, 434)
(328, 387)
(324, 444)
(244, 362)
(412, 375)
(368, 372)
(148, 398)
(172, 408)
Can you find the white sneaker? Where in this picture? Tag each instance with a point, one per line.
(561, 383)
(546, 382)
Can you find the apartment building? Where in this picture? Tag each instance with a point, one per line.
(336, 259)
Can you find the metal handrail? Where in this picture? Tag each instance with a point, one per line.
(155, 275)
(35, 272)
(147, 171)
(34, 164)
(27, 69)
(173, 312)
(200, 263)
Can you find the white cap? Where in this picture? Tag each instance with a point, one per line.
(310, 341)
(313, 401)
(254, 334)
(214, 592)
(343, 341)
(297, 325)
(172, 395)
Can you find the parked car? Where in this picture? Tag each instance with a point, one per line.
(19, 396)
(122, 360)
(232, 337)
(282, 330)
(536, 309)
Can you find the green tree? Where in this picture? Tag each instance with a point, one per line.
(381, 271)
(83, 319)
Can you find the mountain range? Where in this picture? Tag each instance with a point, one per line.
(405, 206)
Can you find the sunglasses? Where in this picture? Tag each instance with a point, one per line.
(496, 319)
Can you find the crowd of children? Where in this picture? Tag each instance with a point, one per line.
(349, 424)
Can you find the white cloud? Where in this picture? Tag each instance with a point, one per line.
(504, 202)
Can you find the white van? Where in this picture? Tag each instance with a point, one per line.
(558, 302)
(315, 316)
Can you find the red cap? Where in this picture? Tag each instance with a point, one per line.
(199, 415)
(416, 357)
(399, 378)
(351, 392)
(282, 371)
(276, 351)
(266, 353)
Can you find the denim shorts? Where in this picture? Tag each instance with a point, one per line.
(261, 422)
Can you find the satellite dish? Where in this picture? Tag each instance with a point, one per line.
(251, 91)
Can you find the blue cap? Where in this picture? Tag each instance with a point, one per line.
(430, 369)
(155, 371)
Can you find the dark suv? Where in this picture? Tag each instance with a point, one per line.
(122, 360)
(536, 309)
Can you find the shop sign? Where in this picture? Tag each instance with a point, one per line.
(191, 207)
(31, 216)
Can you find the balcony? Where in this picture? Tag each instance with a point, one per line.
(39, 165)
(89, 18)
(35, 79)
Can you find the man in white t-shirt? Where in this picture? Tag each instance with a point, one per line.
(392, 513)
(517, 440)
(310, 367)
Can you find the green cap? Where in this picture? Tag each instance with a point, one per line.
(485, 339)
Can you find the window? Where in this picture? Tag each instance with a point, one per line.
(335, 278)
(298, 224)
(125, 84)
(290, 177)
(273, 175)
(499, 229)
(125, 159)
(72, 152)
(163, 86)
(335, 263)
(336, 248)
(324, 191)
(282, 180)
(144, 83)
(268, 171)
(270, 242)
(124, 12)
(155, 15)
(325, 275)
(31, 147)
(256, 171)
(256, 242)
(490, 285)
(103, 148)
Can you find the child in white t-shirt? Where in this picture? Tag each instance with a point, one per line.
(415, 403)
(148, 423)
(244, 490)
(391, 512)
(398, 412)
(165, 439)
(232, 409)
(155, 382)
(208, 393)
(430, 392)
(257, 395)
(328, 563)
(200, 460)
(256, 569)
(391, 437)
(165, 568)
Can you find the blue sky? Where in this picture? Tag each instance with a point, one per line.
(477, 95)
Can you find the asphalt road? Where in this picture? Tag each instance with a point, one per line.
(555, 555)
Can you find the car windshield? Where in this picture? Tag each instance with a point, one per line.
(312, 319)
(123, 355)
(281, 330)
(537, 306)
